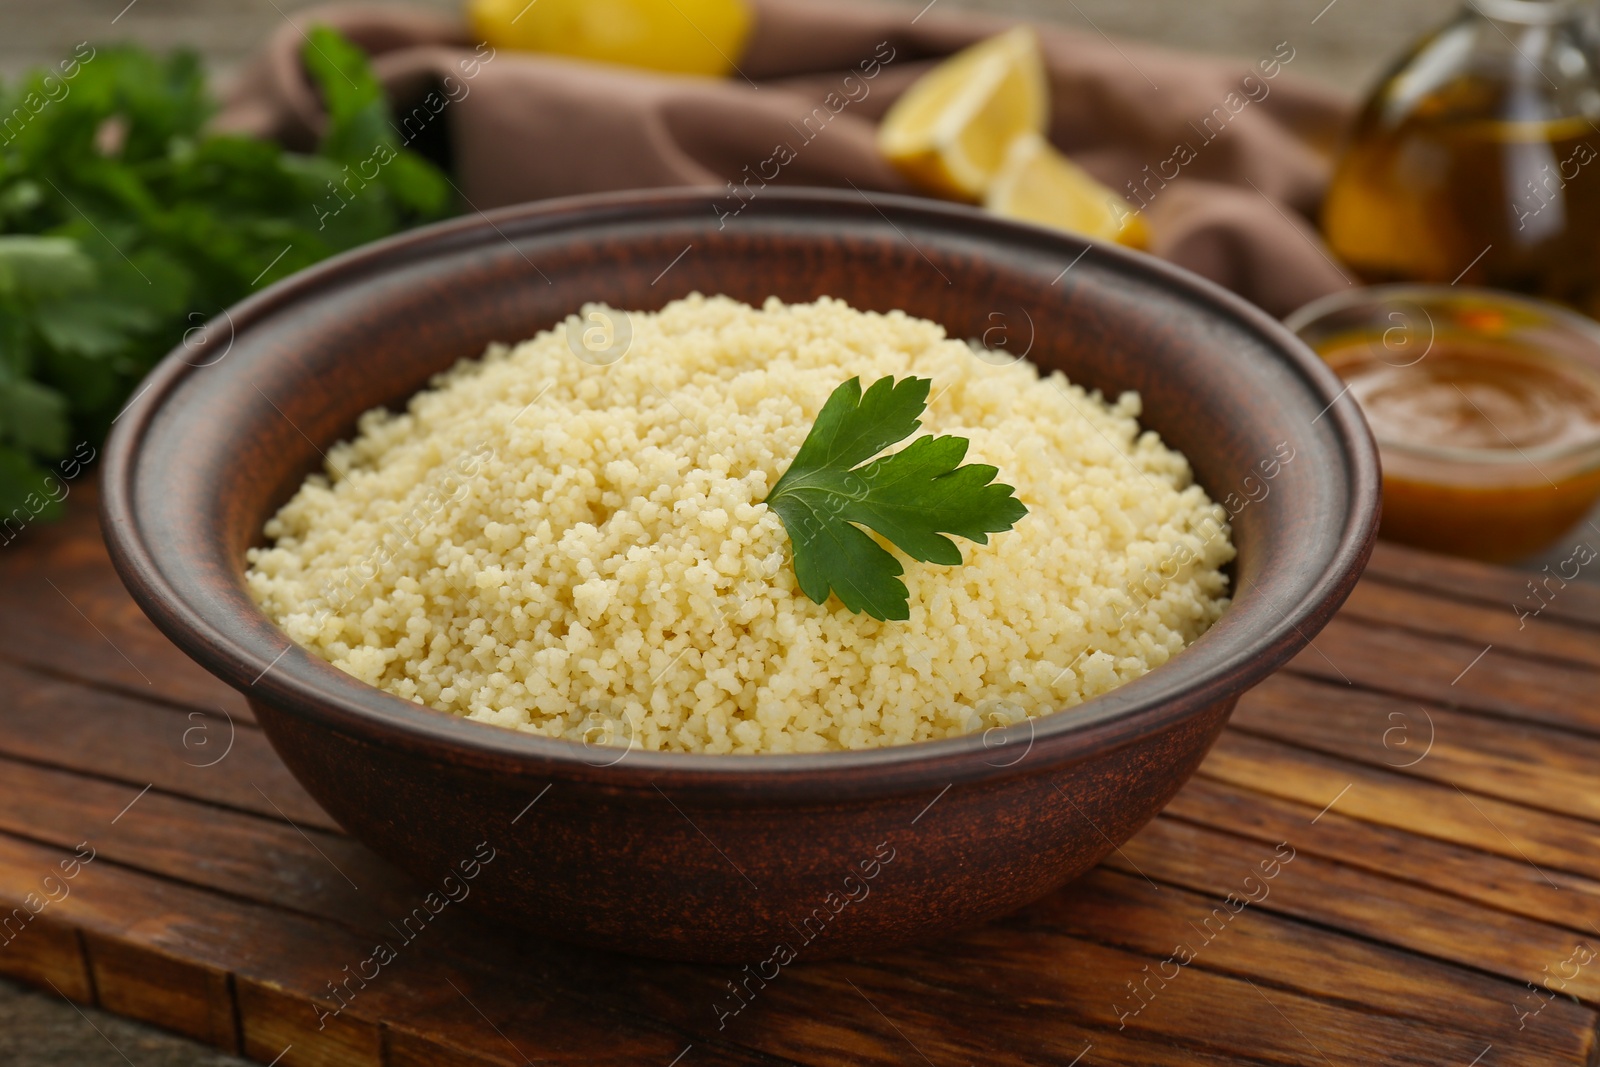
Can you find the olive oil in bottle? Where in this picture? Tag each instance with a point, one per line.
(1478, 158)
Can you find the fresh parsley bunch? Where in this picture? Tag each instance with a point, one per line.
(910, 497)
(125, 225)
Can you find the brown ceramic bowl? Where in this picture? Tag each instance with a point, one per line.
(724, 857)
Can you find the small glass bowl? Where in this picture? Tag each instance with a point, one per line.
(1498, 504)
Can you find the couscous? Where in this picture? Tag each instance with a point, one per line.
(545, 542)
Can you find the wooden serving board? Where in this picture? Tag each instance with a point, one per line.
(1407, 820)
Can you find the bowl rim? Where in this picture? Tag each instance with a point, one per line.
(1426, 294)
(209, 635)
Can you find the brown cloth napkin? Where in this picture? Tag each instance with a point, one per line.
(1226, 160)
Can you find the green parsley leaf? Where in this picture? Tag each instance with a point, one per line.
(35, 492)
(911, 497)
(360, 129)
(33, 417)
(38, 267)
(125, 222)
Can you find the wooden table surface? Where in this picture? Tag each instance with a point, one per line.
(1392, 856)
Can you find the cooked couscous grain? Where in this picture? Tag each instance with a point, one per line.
(577, 550)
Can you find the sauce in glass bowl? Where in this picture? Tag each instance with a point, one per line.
(1486, 408)
(1473, 395)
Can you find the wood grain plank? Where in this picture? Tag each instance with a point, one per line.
(1556, 844)
(195, 846)
(794, 1017)
(1072, 980)
(276, 1026)
(1368, 905)
(208, 757)
(269, 951)
(168, 991)
(253, 859)
(74, 619)
(474, 994)
(1126, 911)
(1533, 765)
(1508, 884)
(1512, 625)
(1449, 672)
(260, 859)
(46, 953)
(1467, 581)
(404, 1049)
(855, 1013)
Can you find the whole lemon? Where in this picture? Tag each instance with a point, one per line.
(682, 36)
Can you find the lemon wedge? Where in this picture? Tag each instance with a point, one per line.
(1040, 185)
(949, 132)
(681, 36)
